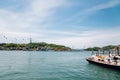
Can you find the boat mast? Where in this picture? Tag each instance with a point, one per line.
(118, 50)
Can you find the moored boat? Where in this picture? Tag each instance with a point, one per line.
(104, 64)
(108, 60)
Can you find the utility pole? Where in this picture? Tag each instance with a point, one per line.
(30, 40)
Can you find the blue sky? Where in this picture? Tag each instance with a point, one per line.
(74, 23)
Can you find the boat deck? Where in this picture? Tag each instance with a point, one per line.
(103, 62)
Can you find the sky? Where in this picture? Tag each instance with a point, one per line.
(73, 23)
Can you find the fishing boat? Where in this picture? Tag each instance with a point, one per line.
(109, 61)
(104, 64)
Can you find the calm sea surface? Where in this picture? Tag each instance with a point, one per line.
(25, 65)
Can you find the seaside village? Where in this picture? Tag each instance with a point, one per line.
(112, 57)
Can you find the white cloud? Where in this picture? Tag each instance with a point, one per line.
(82, 39)
(85, 13)
(44, 7)
(36, 12)
(21, 25)
(93, 38)
(111, 3)
(69, 38)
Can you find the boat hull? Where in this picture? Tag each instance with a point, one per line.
(116, 67)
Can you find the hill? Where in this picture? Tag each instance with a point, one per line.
(42, 46)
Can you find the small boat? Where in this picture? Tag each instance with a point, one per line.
(104, 64)
(107, 60)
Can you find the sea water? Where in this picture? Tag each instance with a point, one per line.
(37, 65)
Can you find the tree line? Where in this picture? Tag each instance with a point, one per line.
(99, 48)
(40, 46)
